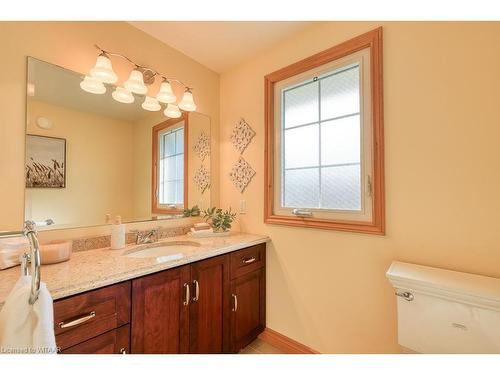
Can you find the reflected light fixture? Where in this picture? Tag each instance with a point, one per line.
(92, 85)
(103, 69)
(151, 104)
(140, 78)
(172, 111)
(122, 95)
(187, 102)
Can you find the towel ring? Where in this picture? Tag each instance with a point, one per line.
(33, 257)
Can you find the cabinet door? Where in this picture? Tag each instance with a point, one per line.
(248, 308)
(115, 341)
(160, 314)
(209, 309)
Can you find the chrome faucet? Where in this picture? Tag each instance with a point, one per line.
(146, 236)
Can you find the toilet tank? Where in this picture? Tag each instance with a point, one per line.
(443, 311)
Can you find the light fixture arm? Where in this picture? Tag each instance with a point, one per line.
(155, 72)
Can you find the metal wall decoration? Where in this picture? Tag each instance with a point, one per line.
(241, 174)
(202, 146)
(242, 135)
(202, 178)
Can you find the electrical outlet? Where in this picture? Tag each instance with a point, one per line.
(243, 206)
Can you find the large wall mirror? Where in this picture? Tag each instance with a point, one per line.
(89, 156)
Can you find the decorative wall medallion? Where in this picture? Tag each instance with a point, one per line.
(202, 178)
(242, 135)
(202, 146)
(241, 174)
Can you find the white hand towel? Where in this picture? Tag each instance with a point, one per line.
(26, 328)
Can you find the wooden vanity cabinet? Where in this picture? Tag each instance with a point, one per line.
(248, 295)
(209, 309)
(160, 312)
(216, 305)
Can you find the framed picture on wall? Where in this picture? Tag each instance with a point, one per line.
(45, 162)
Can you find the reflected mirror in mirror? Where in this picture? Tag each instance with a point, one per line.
(89, 156)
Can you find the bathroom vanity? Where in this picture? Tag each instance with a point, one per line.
(207, 299)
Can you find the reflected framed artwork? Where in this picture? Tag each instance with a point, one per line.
(45, 162)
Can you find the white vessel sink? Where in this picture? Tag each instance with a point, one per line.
(166, 251)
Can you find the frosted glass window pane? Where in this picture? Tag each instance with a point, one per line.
(167, 192)
(168, 144)
(169, 172)
(340, 141)
(302, 188)
(179, 162)
(179, 192)
(341, 187)
(301, 105)
(179, 139)
(340, 94)
(302, 146)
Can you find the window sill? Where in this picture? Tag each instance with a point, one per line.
(346, 226)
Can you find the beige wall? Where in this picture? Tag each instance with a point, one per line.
(327, 289)
(70, 44)
(97, 179)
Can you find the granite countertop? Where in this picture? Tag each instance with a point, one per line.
(91, 269)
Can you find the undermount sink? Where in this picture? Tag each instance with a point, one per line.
(163, 251)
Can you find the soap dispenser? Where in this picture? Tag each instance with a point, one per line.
(118, 234)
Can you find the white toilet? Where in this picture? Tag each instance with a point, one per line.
(442, 311)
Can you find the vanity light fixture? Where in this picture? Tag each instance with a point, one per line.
(135, 83)
(172, 111)
(92, 85)
(103, 70)
(166, 95)
(187, 102)
(140, 78)
(151, 104)
(122, 95)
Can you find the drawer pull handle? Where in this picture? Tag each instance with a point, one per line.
(197, 290)
(248, 260)
(187, 296)
(77, 321)
(235, 302)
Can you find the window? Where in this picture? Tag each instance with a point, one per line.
(324, 159)
(169, 166)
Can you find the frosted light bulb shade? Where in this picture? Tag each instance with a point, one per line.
(172, 111)
(135, 83)
(123, 95)
(166, 95)
(151, 104)
(92, 85)
(103, 70)
(187, 102)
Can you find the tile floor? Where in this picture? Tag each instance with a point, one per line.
(260, 347)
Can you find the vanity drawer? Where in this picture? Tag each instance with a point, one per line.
(247, 260)
(81, 317)
(112, 342)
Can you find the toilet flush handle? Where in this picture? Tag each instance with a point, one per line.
(406, 295)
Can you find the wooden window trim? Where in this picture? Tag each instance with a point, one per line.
(154, 174)
(372, 40)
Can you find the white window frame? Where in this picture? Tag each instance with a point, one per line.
(362, 58)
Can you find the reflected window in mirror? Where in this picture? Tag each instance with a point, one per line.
(170, 159)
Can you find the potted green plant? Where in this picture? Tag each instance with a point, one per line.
(219, 220)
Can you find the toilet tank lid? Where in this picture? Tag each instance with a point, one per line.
(461, 286)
